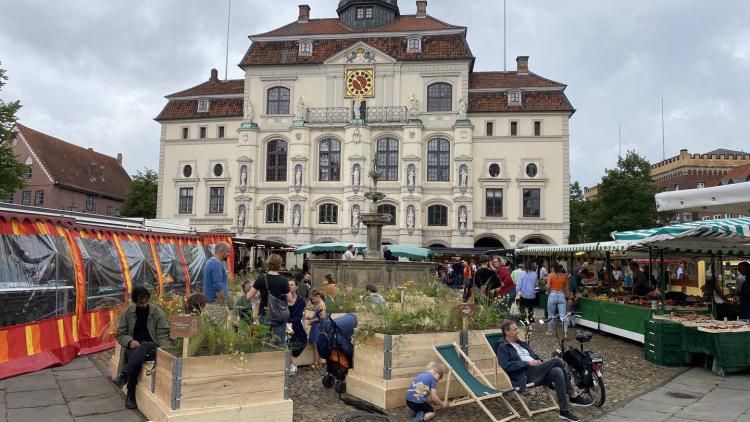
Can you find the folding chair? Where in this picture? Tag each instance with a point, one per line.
(456, 361)
(502, 380)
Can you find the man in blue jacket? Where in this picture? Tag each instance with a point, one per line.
(524, 366)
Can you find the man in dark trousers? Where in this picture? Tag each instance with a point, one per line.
(141, 328)
(388, 255)
(523, 366)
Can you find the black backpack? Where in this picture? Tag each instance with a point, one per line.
(278, 310)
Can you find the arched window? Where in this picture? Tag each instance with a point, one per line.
(388, 209)
(437, 215)
(278, 100)
(439, 97)
(438, 160)
(328, 214)
(330, 160)
(387, 158)
(275, 213)
(276, 161)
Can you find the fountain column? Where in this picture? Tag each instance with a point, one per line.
(373, 220)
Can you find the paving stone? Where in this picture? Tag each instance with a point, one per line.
(86, 387)
(653, 406)
(75, 364)
(121, 416)
(31, 383)
(36, 398)
(671, 396)
(58, 413)
(2, 385)
(94, 405)
(676, 419)
(736, 382)
(707, 411)
(698, 388)
(640, 414)
(82, 373)
(613, 418)
(736, 399)
(743, 418)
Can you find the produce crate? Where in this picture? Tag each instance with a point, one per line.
(658, 327)
(663, 358)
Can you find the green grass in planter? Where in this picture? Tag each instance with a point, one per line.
(348, 301)
(216, 337)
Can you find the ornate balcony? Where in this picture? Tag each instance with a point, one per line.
(329, 115)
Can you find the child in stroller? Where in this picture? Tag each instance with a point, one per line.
(335, 346)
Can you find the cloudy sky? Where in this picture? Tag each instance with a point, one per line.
(95, 72)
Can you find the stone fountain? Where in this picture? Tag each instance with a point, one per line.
(373, 220)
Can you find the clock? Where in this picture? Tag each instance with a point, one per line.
(360, 82)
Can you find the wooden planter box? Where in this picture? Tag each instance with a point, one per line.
(216, 388)
(385, 365)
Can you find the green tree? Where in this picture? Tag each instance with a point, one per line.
(579, 214)
(140, 200)
(625, 200)
(11, 171)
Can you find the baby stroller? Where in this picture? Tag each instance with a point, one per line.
(335, 346)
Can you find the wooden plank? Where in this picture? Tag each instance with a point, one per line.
(165, 360)
(234, 384)
(163, 386)
(200, 366)
(306, 357)
(242, 399)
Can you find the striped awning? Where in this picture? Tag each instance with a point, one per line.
(729, 236)
(580, 247)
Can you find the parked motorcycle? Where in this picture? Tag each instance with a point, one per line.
(584, 366)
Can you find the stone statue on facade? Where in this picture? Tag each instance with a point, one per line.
(355, 176)
(249, 111)
(461, 109)
(410, 218)
(355, 217)
(462, 219)
(300, 109)
(464, 177)
(243, 176)
(297, 218)
(356, 137)
(411, 177)
(413, 106)
(241, 218)
(298, 177)
(356, 108)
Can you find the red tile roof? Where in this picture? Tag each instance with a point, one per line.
(531, 101)
(484, 80)
(403, 23)
(188, 109)
(76, 167)
(741, 173)
(434, 47)
(213, 87)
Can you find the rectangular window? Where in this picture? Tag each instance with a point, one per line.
(537, 128)
(185, 133)
(28, 172)
(186, 201)
(360, 13)
(490, 130)
(437, 215)
(275, 213)
(701, 185)
(39, 198)
(90, 202)
(26, 197)
(727, 215)
(202, 132)
(328, 214)
(717, 216)
(117, 213)
(494, 202)
(216, 201)
(368, 12)
(220, 132)
(531, 202)
(514, 128)
(110, 211)
(706, 218)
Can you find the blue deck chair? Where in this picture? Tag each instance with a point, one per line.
(502, 380)
(457, 364)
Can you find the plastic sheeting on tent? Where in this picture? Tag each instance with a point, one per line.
(105, 284)
(38, 280)
(141, 263)
(328, 247)
(195, 260)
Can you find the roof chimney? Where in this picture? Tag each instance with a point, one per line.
(119, 158)
(214, 75)
(422, 8)
(522, 65)
(90, 149)
(304, 13)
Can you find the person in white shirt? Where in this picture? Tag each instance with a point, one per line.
(350, 253)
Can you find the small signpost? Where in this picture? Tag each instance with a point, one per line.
(184, 327)
(465, 311)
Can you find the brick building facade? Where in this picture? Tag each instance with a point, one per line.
(68, 177)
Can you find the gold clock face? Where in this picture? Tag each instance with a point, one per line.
(360, 82)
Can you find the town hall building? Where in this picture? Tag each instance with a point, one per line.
(467, 158)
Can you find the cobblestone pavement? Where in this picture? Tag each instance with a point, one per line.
(627, 375)
(696, 395)
(76, 392)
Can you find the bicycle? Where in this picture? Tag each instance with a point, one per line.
(584, 366)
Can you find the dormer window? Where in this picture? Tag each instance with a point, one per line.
(364, 13)
(305, 48)
(414, 45)
(203, 105)
(514, 98)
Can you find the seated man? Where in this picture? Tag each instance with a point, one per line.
(524, 366)
(141, 328)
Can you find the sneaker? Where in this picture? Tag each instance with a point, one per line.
(419, 417)
(581, 401)
(130, 403)
(121, 380)
(292, 369)
(569, 416)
